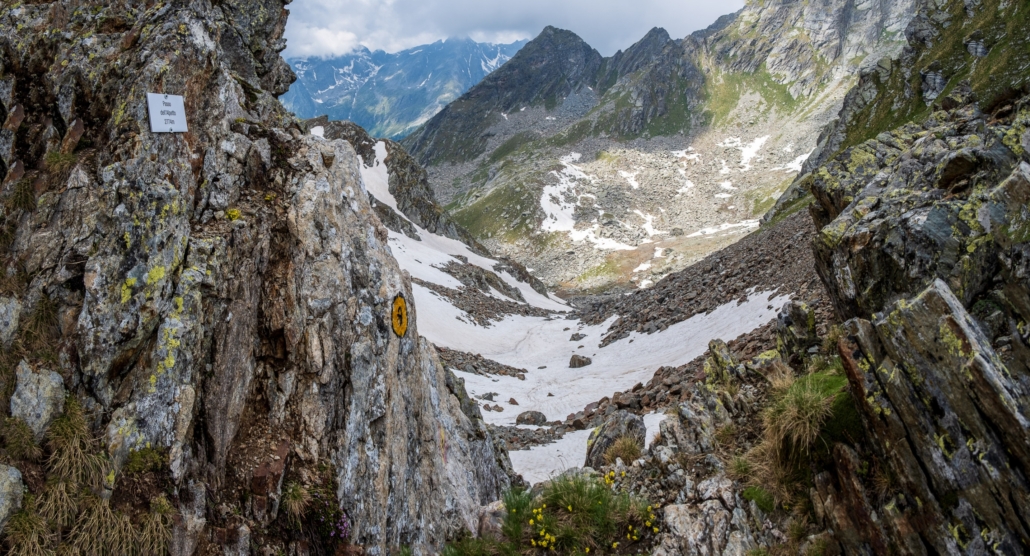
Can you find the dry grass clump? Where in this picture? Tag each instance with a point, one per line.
(100, 530)
(74, 457)
(624, 447)
(156, 529)
(28, 533)
(795, 418)
(59, 503)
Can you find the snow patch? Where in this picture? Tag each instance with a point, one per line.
(318, 131)
(795, 165)
(631, 178)
(746, 224)
(559, 212)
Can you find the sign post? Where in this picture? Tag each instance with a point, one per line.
(167, 113)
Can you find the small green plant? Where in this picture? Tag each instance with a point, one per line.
(19, 440)
(625, 447)
(144, 461)
(295, 501)
(761, 497)
(833, 336)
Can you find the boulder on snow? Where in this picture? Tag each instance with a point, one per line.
(11, 492)
(617, 425)
(38, 398)
(531, 418)
(577, 337)
(578, 361)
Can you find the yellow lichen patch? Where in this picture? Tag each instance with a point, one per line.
(232, 214)
(155, 274)
(127, 289)
(956, 346)
(400, 316)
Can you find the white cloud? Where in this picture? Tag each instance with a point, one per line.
(332, 27)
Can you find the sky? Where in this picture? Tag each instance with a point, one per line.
(333, 27)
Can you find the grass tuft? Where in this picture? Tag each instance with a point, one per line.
(740, 468)
(156, 528)
(73, 457)
(19, 440)
(22, 197)
(100, 530)
(624, 447)
(59, 503)
(27, 533)
(295, 501)
(58, 163)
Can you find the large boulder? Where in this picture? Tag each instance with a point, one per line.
(38, 398)
(11, 492)
(578, 361)
(618, 425)
(531, 418)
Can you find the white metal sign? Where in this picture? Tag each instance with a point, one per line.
(167, 113)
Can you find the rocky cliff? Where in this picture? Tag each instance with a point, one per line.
(219, 306)
(921, 249)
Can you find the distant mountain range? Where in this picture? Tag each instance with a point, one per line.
(392, 94)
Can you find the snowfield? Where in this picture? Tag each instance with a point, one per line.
(542, 345)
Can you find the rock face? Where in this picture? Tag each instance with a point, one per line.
(617, 425)
(923, 248)
(222, 291)
(38, 398)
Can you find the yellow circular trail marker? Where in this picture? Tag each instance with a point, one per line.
(400, 315)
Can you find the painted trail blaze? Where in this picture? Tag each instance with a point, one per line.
(400, 315)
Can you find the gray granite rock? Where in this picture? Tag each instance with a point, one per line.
(10, 310)
(11, 492)
(38, 398)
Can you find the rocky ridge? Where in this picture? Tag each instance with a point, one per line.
(220, 298)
